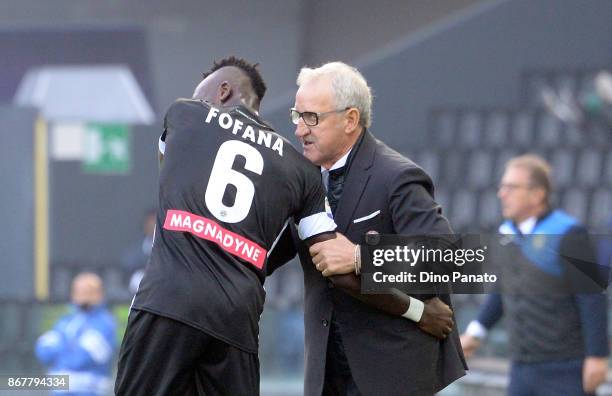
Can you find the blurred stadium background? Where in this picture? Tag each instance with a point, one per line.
(460, 86)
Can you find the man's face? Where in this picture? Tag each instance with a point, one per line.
(519, 199)
(325, 143)
(86, 290)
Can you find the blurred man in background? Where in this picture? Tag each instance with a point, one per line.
(82, 343)
(557, 338)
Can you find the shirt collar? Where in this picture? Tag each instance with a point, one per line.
(340, 163)
(526, 226)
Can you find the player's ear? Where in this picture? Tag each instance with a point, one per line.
(224, 92)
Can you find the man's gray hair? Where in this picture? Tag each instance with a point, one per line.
(349, 86)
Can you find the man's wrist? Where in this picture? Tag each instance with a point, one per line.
(357, 259)
(415, 310)
(477, 330)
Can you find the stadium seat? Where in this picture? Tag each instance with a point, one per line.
(607, 170)
(444, 129)
(589, 167)
(601, 207)
(496, 129)
(454, 169)
(573, 136)
(464, 211)
(522, 129)
(480, 166)
(470, 129)
(574, 201)
(429, 160)
(548, 131)
(488, 210)
(562, 164)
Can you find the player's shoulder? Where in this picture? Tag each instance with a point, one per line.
(184, 104)
(183, 109)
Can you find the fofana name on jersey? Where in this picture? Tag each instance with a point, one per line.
(263, 138)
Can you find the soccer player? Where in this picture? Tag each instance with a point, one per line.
(228, 186)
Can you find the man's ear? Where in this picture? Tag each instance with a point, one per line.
(351, 120)
(224, 92)
(540, 194)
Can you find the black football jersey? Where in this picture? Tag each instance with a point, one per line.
(228, 186)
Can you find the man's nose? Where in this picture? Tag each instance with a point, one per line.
(301, 129)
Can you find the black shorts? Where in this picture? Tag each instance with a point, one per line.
(161, 356)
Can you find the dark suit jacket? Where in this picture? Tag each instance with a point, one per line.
(388, 355)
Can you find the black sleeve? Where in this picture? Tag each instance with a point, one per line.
(583, 272)
(283, 252)
(588, 280)
(491, 311)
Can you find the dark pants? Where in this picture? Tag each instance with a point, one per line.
(547, 379)
(338, 378)
(161, 356)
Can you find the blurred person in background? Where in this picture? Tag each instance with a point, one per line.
(558, 338)
(604, 248)
(82, 343)
(134, 259)
(353, 346)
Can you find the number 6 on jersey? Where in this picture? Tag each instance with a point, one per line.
(222, 174)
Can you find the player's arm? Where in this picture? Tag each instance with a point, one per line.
(432, 316)
(282, 253)
(412, 208)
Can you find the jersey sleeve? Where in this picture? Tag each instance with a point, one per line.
(162, 143)
(315, 216)
(176, 110)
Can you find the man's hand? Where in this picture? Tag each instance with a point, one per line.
(594, 370)
(334, 256)
(469, 344)
(437, 318)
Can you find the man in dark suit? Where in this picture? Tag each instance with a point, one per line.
(351, 347)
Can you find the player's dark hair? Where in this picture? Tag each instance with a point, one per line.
(250, 69)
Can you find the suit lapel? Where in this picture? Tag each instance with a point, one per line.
(356, 181)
